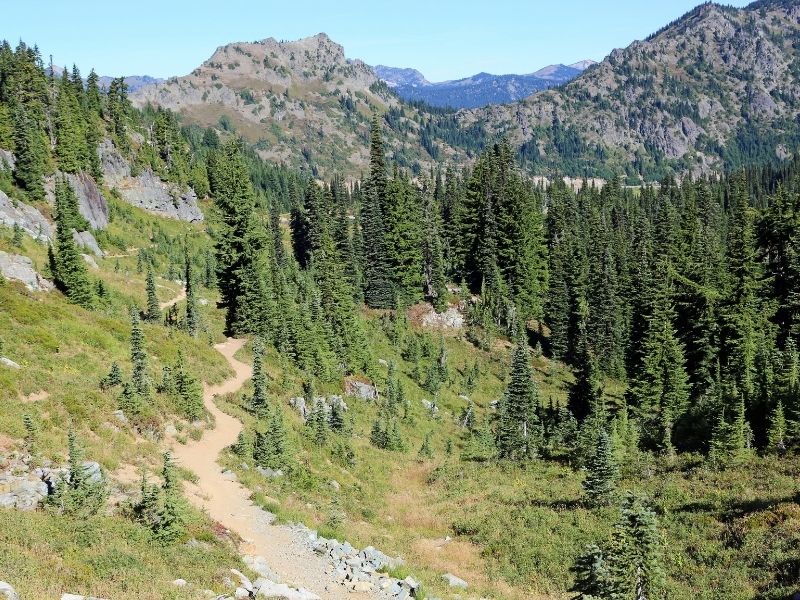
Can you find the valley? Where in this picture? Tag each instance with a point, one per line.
(284, 328)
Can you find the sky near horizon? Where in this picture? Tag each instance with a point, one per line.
(444, 39)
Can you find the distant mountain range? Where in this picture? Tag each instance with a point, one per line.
(134, 81)
(479, 90)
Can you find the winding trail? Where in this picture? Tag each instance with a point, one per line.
(228, 502)
(175, 300)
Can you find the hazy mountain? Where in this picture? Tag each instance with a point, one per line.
(477, 90)
(134, 81)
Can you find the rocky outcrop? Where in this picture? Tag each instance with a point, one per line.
(20, 268)
(449, 319)
(7, 159)
(304, 408)
(26, 217)
(360, 389)
(7, 592)
(91, 202)
(85, 240)
(146, 190)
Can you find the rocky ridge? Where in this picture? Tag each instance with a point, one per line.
(692, 93)
(300, 102)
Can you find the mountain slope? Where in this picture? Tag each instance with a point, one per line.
(300, 102)
(718, 87)
(477, 90)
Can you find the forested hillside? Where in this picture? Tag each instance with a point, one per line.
(717, 89)
(514, 390)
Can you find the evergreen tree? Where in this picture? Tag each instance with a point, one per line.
(192, 312)
(259, 401)
(139, 377)
(171, 513)
(153, 312)
(67, 265)
(518, 426)
(601, 473)
(378, 289)
(79, 492)
(188, 390)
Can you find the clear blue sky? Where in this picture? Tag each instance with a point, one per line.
(445, 39)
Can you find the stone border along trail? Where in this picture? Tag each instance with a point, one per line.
(287, 553)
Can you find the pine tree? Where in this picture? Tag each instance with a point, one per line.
(171, 513)
(378, 289)
(153, 312)
(318, 422)
(139, 377)
(585, 393)
(661, 389)
(601, 473)
(592, 577)
(71, 149)
(114, 377)
(776, 436)
(188, 390)
(426, 451)
(259, 401)
(16, 238)
(270, 449)
(518, 426)
(78, 493)
(68, 266)
(192, 312)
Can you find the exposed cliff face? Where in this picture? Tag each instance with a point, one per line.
(689, 94)
(146, 190)
(301, 102)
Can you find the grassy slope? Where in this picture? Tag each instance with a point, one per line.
(516, 531)
(64, 351)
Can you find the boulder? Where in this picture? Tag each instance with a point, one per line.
(7, 592)
(449, 319)
(90, 261)
(20, 268)
(270, 589)
(78, 597)
(21, 492)
(360, 389)
(85, 240)
(180, 583)
(146, 190)
(26, 217)
(7, 362)
(454, 581)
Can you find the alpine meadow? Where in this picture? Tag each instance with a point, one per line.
(295, 326)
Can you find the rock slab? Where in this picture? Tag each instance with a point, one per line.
(30, 220)
(20, 268)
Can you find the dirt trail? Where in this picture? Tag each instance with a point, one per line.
(228, 502)
(175, 300)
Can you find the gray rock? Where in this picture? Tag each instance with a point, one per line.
(146, 190)
(93, 471)
(7, 159)
(8, 363)
(431, 407)
(120, 416)
(78, 597)
(411, 583)
(270, 589)
(229, 475)
(360, 389)
(90, 261)
(91, 202)
(269, 473)
(335, 485)
(449, 319)
(20, 268)
(258, 564)
(7, 592)
(180, 583)
(26, 217)
(454, 581)
(243, 580)
(85, 240)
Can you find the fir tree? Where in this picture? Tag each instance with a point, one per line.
(518, 426)
(153, 312)
(601, 473)
(192, 312)
(378, 289)
(68, 266)
(139, 377)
